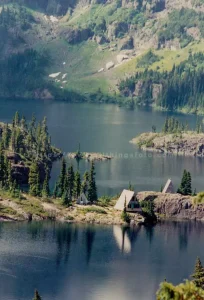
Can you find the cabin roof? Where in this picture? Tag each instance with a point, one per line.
(127, 196)
(82, 197)
(168, 187)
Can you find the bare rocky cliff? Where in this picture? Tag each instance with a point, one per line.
(188, 143)
(174, 206)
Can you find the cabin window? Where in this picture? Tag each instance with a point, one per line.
(133, 204)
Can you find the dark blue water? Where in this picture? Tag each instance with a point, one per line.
(69, 262)
(108, 129)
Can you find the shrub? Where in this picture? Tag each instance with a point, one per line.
(148, 59)
(179, 20)
(69, 218)
(95, 210)
(125, 216)
(148, 210)
(104, 201)
(186, 290)
(199, 199)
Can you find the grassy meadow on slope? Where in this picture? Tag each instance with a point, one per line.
(80, 40)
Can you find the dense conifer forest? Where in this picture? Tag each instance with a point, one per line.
(26, 152)
(182, 87)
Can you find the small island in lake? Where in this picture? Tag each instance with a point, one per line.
(175, 138)
(90, 156)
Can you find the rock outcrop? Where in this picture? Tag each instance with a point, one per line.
(76, 35)
(174, 206)
(121, 57)
(117, 30)
(101, 40)
(126, 43)
(110, 65)
(188, 143)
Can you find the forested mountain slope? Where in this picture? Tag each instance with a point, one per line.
(71, 49)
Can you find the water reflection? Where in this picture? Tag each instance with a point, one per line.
(36, 230)
(55, 258)
(149, 233)
(63, 240)
(122, 238)
(90, 236)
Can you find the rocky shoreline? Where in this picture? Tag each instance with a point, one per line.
(167, 206)
(188, 143)
(174, 206)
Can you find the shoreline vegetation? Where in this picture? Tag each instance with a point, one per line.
(175, 207)
(175, 138)
(26, 156)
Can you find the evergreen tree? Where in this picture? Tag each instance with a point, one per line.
(15, 190)
(188, 188)
(18, 140)
(8, 173)
(130, 187)
(55, 191)
(44, 138)
(124, 215)
(37, 296)
(198, 275)
(46, 188)
(34, 181)
(154, 129)
(32, 127)
(70, 181)
(61, 181)
(2, 166)
(16, 120)
(77, 185)
(9, 177)
(166, 126)
(23, 123)
(84, 185)
(92, 189)
(13, 140)
(185, 186)
(5, 136)
(66, 198)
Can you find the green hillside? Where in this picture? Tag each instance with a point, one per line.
(72, 50)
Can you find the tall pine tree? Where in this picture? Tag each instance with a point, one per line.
(185, 187)
(37, 296)
(92, 189)
(198, 275)
(77, 185)
(70, 181)
(61, 181)
(2, 166)
(46, 188)
(34, 179)
(84, 185)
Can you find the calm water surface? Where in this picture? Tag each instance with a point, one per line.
(69, 262)
(108, 129)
